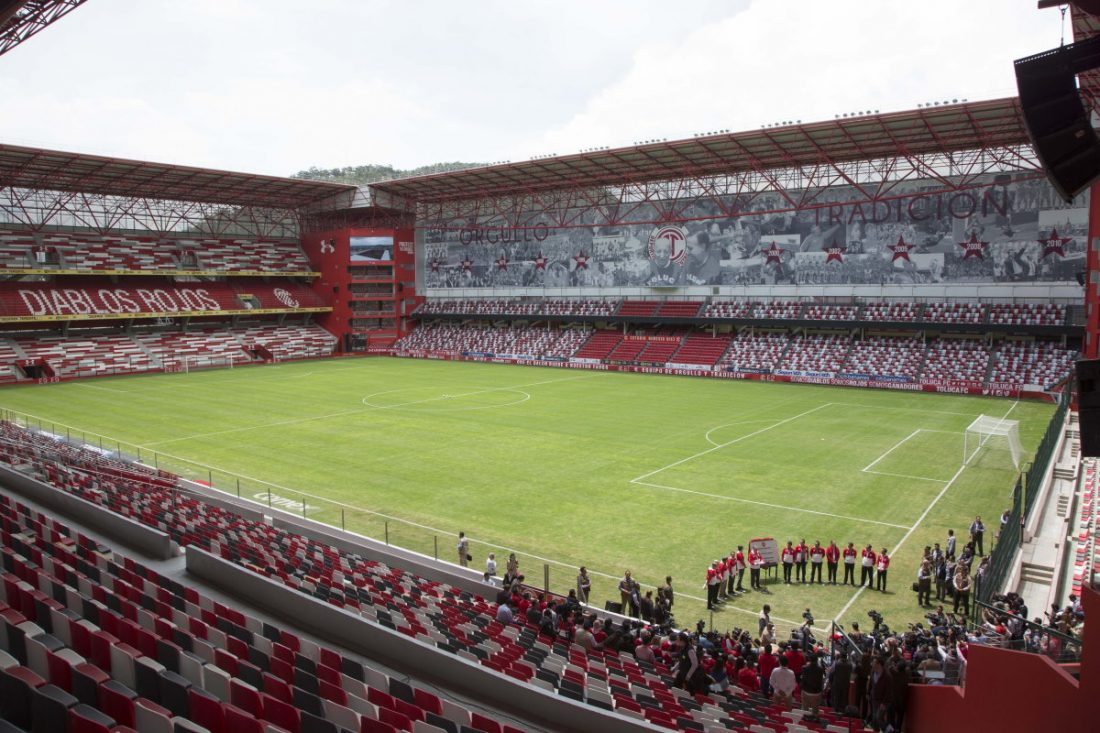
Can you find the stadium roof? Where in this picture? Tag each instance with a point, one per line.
(21, 19)
(33, 168)
(933, 129)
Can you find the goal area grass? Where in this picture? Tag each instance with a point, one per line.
(656, 474)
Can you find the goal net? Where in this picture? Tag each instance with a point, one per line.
(993, 434)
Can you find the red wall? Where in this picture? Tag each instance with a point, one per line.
(332, 285)
(1009, 691)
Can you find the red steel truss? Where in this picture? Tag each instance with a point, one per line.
(722, 175)
(21, 19)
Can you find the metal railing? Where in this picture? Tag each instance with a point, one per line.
(1032, 637)
(1024, 494)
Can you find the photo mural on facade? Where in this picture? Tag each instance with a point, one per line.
(996, 229)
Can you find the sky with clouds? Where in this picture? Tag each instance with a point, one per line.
(274, 86)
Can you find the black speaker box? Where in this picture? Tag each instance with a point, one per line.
(1088, 404)
(1057, 120)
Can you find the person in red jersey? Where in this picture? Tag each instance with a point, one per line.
(832, 559)
(817, 557)
(787, 558)
(850, 564)
(756, 561)
(746, 676)
(801, 557)
(882, 564)
(713, 580)
(765, 663)
(867, 566)
(739, 558)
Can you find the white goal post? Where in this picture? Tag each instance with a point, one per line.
(994, 433)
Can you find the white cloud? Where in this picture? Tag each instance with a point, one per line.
(275, 86)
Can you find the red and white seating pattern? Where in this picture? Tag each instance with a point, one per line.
(121, 644)
(899, 312)
(937, 312)
(90, 357)
(1027, 314)
(91, 252)
(817, 312)
(290, 342)
(780, 309)
(1086, 559)
(816, 353)
(519, 341)
(1036, 363)
(520, 307)
(755, 351)
(201, 348)
(729, 309)
(884, 356)
(965, 360)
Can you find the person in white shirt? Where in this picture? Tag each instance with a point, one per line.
(783, 683)
(491, 568)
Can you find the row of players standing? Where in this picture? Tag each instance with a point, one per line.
(724, 576)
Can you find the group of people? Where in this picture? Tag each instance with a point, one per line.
(801, 563)
(949, 573)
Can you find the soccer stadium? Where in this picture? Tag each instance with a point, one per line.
(781, 430)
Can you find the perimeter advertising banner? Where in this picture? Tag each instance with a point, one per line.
(995, 229)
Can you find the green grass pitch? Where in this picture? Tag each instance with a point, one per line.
(566, 467)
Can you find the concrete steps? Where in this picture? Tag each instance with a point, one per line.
(1039, 574)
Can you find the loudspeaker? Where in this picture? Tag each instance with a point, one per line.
(1057, 121)
(1088, 404)
(613, 607)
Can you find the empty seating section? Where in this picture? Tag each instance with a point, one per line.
(777, 309)
(141, 648)
(816, 353)
(954, 313)
(525, 342)
(290, 342)
(550, 307)
(1035, 363)
(897, 312)
(639, 308)
(729, 309)
(815, 312)
(77, 251)
(886, 357)
(76, 357)
(1027, 314)
(1086, 558)
(195, 348)
(679, 309)
(95, 639)
(759, 351)
(599, 345)
(962, 360)
(702, 349)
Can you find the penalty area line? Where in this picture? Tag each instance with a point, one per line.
(766, 504)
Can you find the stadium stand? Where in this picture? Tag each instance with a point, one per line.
(1086, 558)
(1037, 362)
(897, 312)
(816, 353)
(117, 643)
(751, 351)
(91, 252)
(941, 312)
(166, 643)
(702, 349)
(831, 312)
(963, 360)
(885, 356)
(599, 345)
(1028, 314)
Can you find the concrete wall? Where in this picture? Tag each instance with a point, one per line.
(409, 655)
(148, 541)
